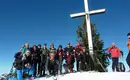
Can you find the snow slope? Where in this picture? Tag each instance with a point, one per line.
(92, 76)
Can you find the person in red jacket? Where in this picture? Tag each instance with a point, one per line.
(115, 54)
(77, 51)
(69, 62)
(59, 57)
(60, 53)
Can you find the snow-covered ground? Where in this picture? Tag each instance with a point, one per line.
(3, 78)
(92, 76)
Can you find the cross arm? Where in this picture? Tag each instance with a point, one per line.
(97, 11)
(77, 15)
(90, 13)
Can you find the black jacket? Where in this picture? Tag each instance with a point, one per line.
(82, 57)
(18, 63)
(44, 54)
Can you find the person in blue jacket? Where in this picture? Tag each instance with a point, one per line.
(18, 64)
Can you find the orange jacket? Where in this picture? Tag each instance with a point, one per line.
(115, 52)
(128, 44)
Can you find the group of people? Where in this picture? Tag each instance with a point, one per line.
(39, 61)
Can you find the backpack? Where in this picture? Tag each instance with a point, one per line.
(18, 60)
(121, 67)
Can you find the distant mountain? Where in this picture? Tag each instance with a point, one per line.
(3, 78)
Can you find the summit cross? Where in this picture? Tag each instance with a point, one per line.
(87, 14)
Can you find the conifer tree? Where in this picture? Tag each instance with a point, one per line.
(100, 57)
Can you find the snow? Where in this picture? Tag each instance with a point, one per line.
(92, 76)
(3, 78)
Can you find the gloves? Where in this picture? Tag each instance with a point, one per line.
(28, 65)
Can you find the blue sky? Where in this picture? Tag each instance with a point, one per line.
(48, 21)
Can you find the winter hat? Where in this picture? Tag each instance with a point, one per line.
(68, 43)
(39, 45)
(128, 35)
(28, 53)
(17, 54)
(45, 44)
(60, 46)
